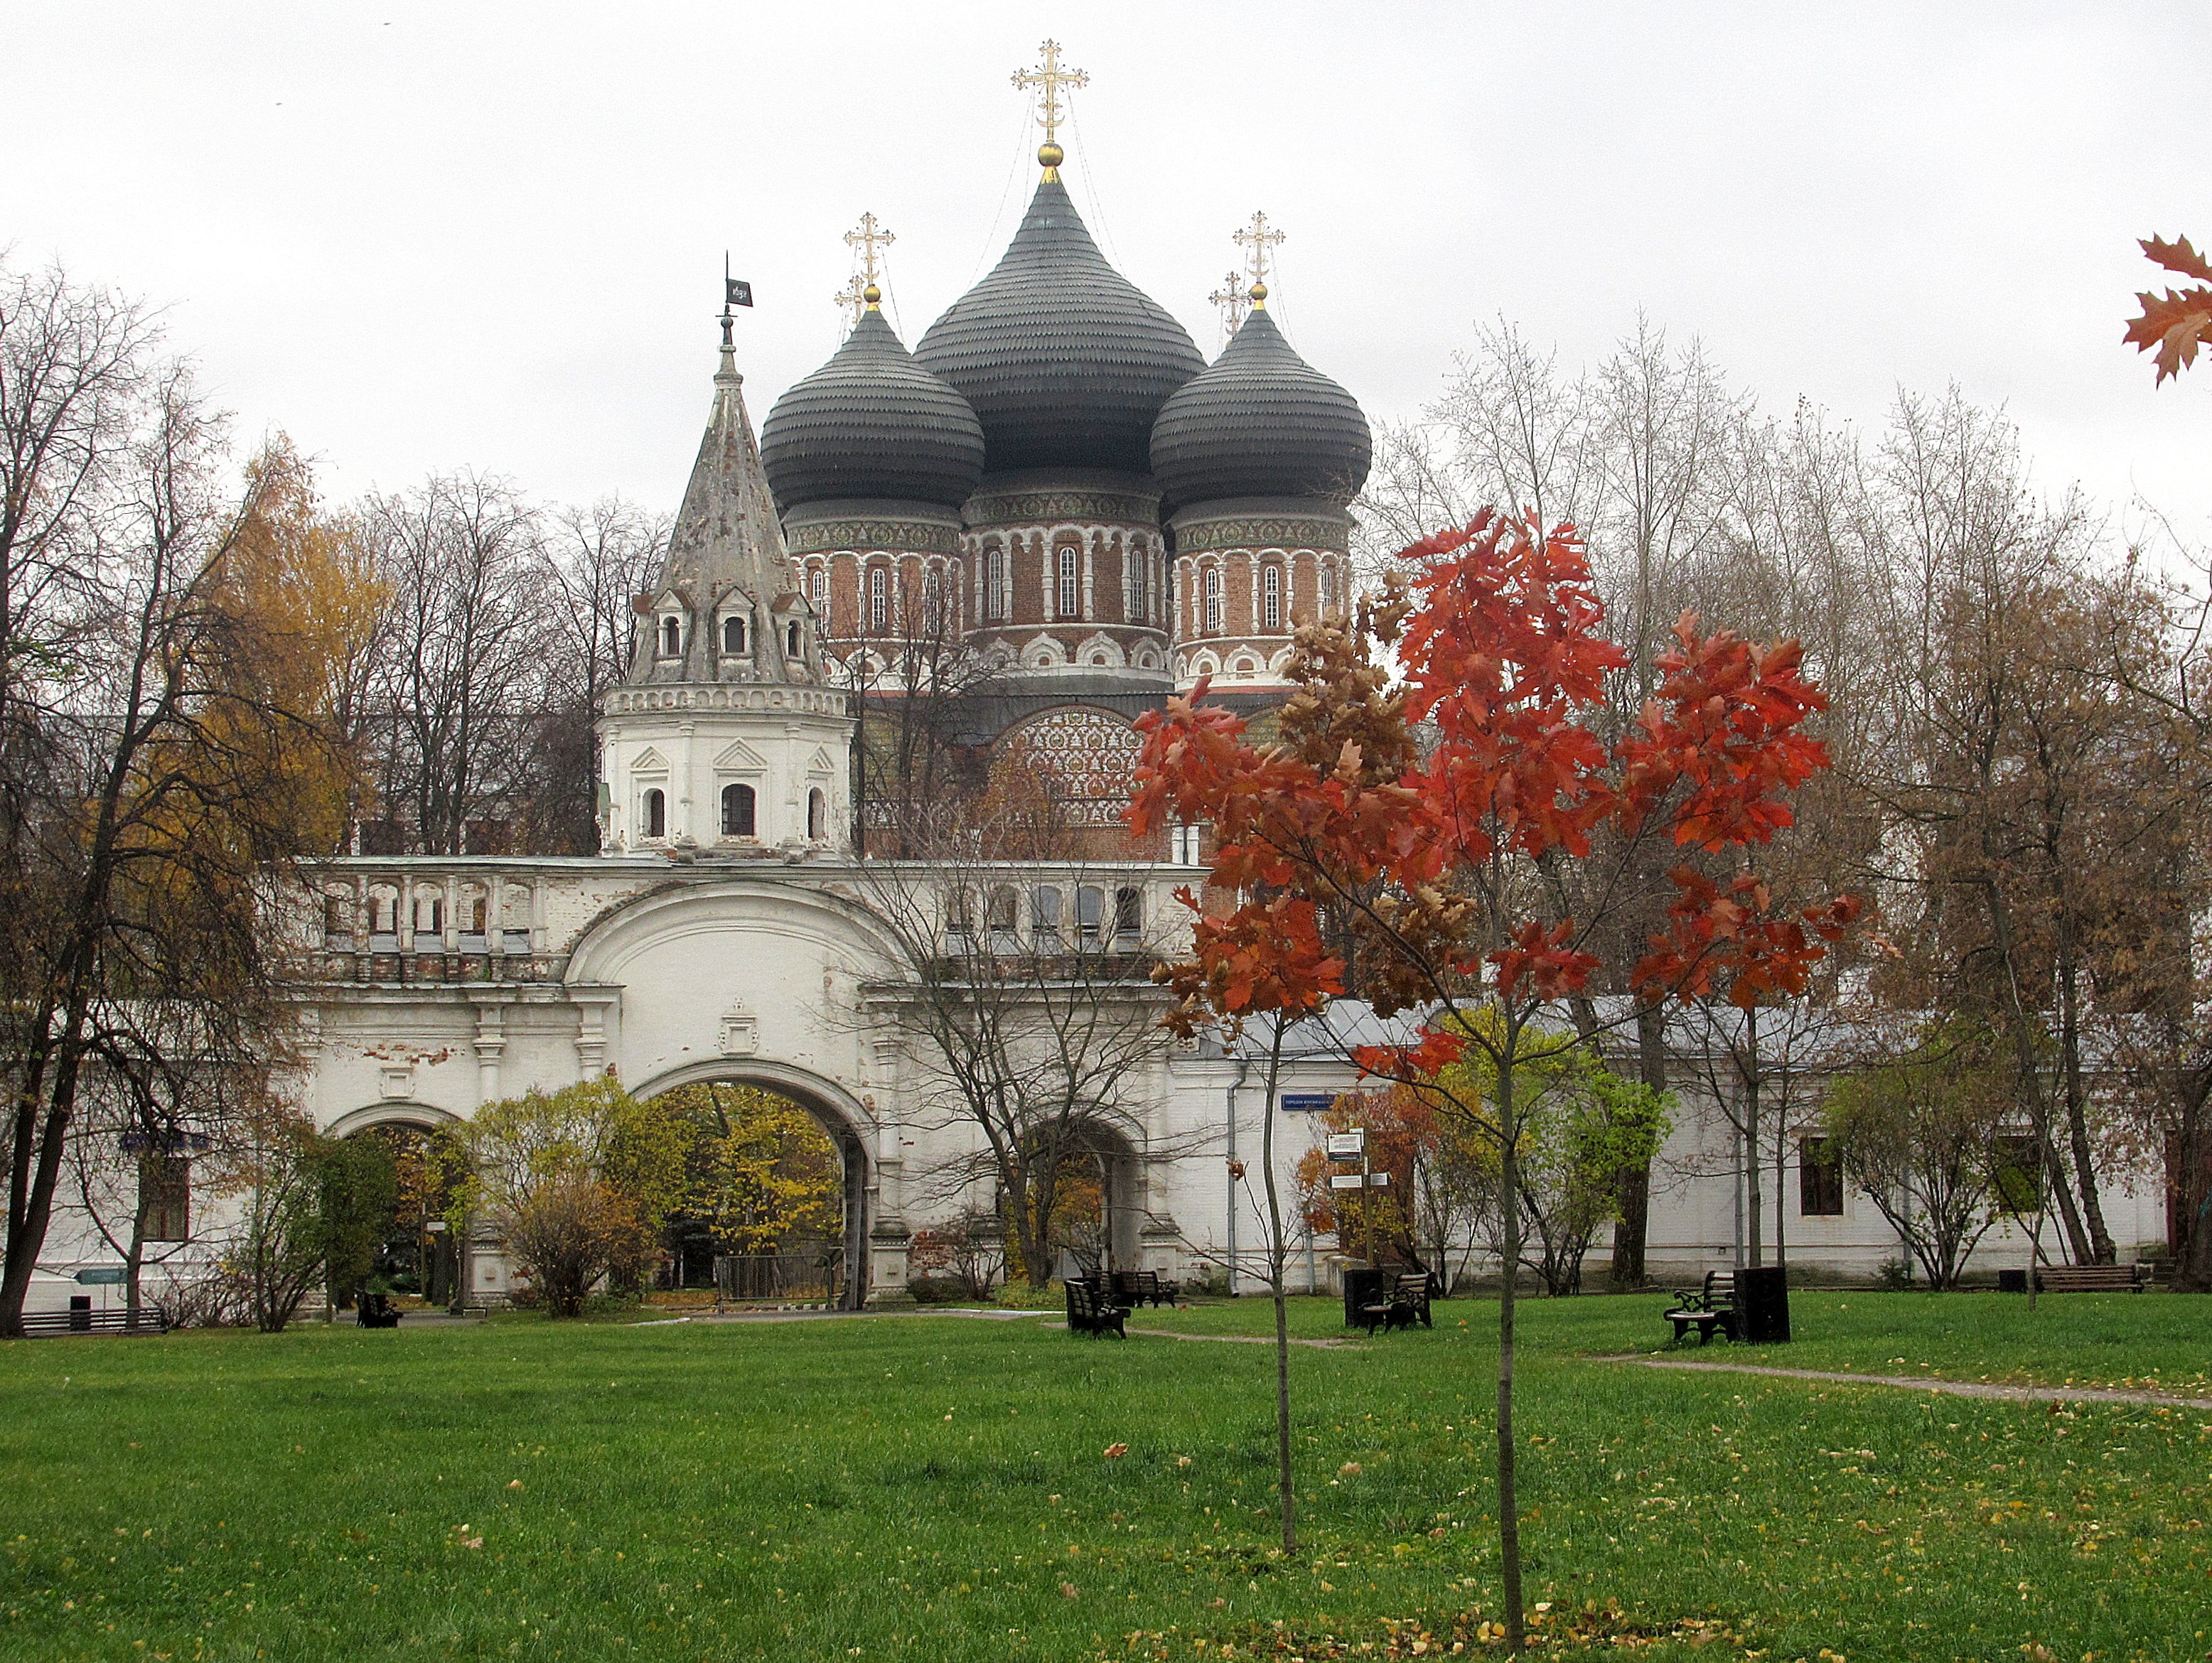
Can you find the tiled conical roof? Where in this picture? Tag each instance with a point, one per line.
(1259, 423)
(1065, 361)
(872, 423)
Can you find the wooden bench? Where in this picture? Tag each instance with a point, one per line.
(151, 1321)
(1706, 1308)
(1134, 1288)
(1403, 1303)
(2092, 1278)
(1090, 1311)
(377, 1311)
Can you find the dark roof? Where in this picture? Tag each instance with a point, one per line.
(1259, 422)
(872, 423)
(1065, 361)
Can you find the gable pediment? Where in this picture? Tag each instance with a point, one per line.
(819, 762)
(739, 755)
(649, 760)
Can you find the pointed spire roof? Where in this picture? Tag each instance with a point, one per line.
(726, 555)
(725, 534)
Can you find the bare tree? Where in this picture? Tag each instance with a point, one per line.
(593, 562)
(1023, 1000)
(171, 762)
(469, 639)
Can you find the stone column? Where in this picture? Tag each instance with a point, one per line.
(491, 1044)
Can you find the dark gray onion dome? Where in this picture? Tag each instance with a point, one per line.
(872, 423)
(1065, 360)
(1260, 421)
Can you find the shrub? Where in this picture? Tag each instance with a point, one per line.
(936, 1290)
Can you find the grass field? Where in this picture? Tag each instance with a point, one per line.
(935, 1487)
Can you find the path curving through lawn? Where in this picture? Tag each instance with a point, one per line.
(1957, 1389)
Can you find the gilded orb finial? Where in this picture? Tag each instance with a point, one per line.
(1050, 156)
(1259, 294)
(873, 296)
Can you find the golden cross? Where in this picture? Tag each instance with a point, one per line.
(1050, 77)
(853, 299)
(1256, 240)
(868, 236)
(1231, 299)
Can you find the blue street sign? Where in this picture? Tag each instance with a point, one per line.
(1307, 1102)
(101, 1276)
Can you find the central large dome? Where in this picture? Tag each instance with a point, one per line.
(1065, 361)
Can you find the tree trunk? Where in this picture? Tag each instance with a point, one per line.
(2077, 1118)
(1508, 1202)
(1633, 1183)
(1277, 1253)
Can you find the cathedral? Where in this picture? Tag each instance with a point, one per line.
(1058, 510)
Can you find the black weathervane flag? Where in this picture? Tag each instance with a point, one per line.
(736, 291)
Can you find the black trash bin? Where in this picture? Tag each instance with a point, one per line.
(2012, 1282)
(1762, 1304)
(1362, 1286)
(80, 1313)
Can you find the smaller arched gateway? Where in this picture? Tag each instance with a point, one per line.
(850, 1128)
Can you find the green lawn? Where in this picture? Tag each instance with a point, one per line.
(930, 1487)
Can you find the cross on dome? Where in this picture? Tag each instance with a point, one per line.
(868, 236)
(1049, 76)
(852, 300)
(1257, 238)
(1231, 299)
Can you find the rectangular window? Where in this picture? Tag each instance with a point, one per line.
(1819, 1179)
(165, 1186)
(1070, 603)
(1090, 912)
(1044, 916)
(1129, 917)
(1183, 844)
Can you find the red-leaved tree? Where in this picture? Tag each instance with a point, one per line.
(1397, 844)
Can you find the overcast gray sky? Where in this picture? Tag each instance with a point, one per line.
(421, 237)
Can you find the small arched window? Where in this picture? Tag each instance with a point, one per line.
(1213, 600)
(879, 599)
(791, 639)
(998, 567)
(817, 815)
(733, 634)
(1128, 916)
(999, 907)
(672, 638)
(656, 814)
(818, 591)
(1069, 601)
(1090, 909)
(1328, 583)
(737, 811)
(1271, 599)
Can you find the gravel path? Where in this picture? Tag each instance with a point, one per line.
(1957, 1389)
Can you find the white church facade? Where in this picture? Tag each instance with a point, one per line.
(1057, 477)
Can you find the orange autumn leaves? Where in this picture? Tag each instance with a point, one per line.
(2175, 324)
(1503, 664)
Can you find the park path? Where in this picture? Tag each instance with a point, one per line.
(1957, 1389)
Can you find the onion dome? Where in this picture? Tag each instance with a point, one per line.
(872, 423)
(1261, 422)
(1065, 361)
